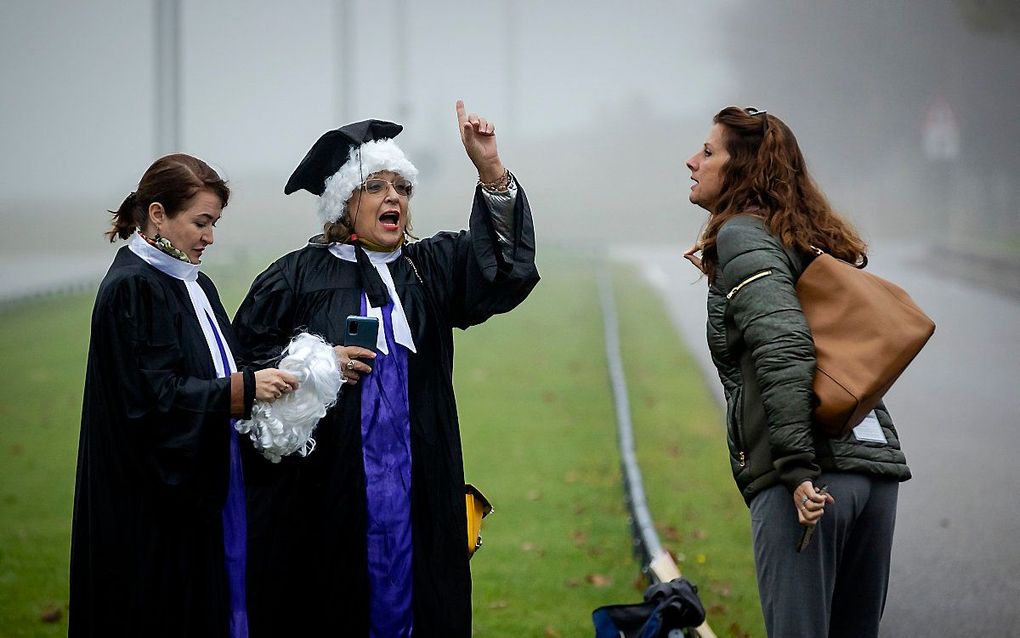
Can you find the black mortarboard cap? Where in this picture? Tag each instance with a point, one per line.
(331, 150)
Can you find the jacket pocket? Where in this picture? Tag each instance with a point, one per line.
(735, 430)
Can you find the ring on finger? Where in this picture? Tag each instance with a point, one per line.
(350, 364)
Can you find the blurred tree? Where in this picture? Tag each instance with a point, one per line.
(992, 16)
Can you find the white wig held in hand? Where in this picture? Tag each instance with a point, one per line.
(367, 159)
(286, 425)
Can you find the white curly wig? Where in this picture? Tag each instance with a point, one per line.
(367, 159)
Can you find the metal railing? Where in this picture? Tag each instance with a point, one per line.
(656, 563)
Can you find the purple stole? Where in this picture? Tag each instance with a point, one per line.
(386, 449)
(235, 538)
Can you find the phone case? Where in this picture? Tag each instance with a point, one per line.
(361, 331)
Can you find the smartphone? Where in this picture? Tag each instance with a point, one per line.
(361, 331)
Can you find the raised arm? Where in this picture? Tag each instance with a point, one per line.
(489, 269)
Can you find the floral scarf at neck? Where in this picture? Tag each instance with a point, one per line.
(164, 245)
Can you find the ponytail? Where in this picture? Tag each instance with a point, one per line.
(171, 181)
(125, 219)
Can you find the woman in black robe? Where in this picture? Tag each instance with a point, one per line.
(331, 551)
(158, 536)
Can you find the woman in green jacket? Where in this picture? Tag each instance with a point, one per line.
(765, 214)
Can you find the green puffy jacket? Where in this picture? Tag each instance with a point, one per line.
(762, 348)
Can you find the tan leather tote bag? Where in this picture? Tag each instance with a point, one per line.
(866, 331)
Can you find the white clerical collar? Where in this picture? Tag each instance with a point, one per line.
(161, 261)
(346, 252)
(401, 329)
(188, 273)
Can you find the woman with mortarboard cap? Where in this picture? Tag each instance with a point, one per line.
(367, 535)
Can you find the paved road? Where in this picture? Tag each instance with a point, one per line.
(956, 555)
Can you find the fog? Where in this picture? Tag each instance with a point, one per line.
(907, 113)
(597, 106)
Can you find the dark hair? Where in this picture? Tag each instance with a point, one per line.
(171, 181)
(766, 173)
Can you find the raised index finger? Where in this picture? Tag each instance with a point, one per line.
(461, 115)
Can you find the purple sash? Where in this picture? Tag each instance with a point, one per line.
(386, 448)
(235, 539)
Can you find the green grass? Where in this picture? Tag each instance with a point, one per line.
(539, 440)
(43, 346)
(681, 447)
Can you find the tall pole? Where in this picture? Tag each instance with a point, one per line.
(345, 48)
(168, 76)
(401, 75)
(511, 20)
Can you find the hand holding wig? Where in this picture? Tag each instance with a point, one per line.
(286, 425)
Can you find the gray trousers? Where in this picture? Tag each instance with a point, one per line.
(837, 586)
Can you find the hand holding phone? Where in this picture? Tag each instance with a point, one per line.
(361, 332)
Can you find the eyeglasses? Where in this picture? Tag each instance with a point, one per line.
(375, 186)
(764, 118)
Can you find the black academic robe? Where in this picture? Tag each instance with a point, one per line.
(307, 572)
(147, 537)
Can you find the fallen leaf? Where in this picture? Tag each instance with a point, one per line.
(550, 632)
(640, 583)
(599, 580)
(700, 559)
(579, 537)
(718, 609)
(51, 613)
(736, 631)
(724, 590)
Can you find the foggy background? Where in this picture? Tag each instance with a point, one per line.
(907, 111)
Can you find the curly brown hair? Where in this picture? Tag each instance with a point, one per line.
(766, 173)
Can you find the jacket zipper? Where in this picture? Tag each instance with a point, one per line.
(754, 277)
(742, 457)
